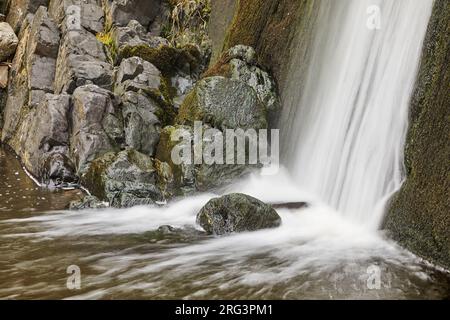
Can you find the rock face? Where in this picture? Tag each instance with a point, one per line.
(19, 9)
(8, 41)
(42, 141)
(419, 214)
(236, 213)
(224, 104)
(96, 126)
(123, 179)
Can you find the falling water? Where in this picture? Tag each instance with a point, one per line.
(348, 123)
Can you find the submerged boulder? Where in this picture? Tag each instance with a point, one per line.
(8, 41)
(237, 213)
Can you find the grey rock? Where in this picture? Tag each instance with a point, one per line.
(42, 140)
(120, 12)
(97, 125)
(142, 126)
(236, 213)
(224, 104)
(8, 41)
(245, 53)
(81, 61)
(123, 179)
(88, 202)
(135, 73)
(19, 9)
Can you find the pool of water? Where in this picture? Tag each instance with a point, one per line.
(121, 254)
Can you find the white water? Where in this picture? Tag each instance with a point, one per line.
(347, 126)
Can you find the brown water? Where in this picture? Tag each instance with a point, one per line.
(122, 254)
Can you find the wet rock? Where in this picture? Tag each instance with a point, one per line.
(236, 213)
(97, 125)
(19, 9)
(137, 83)
(81, 61)
(124, 179)
(120, 12)
(187, 176)
(223, 104)
(32, 71)
(91, 14)
(8, 41)
(135, 73)
(88, 202)
(42, 141)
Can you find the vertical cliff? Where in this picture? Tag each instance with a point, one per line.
(419, 215)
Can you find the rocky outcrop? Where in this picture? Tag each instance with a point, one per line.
(123, 179)
(96, 125)
(122, 11)
(8, 41)
(236, 213)
(223, 104)
(418, 216)
(88, 202)
(31, 74)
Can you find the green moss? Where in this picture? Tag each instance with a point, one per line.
(419, 215)
(189, 111)
(94, 178)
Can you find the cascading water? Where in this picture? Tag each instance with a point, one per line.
(345, 141)
(344, 133)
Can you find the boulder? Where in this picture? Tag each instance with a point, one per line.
(19, 9)
(123, 179)
(236, 213)
(224, 104)
(189, 177)
(96, 125)
(239, 63)
(8, 41)
(135, 74)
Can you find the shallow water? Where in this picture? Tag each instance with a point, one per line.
(315, 254)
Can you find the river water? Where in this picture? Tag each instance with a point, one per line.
(315, 254)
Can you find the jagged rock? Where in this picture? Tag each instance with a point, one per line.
(88, 202)
(236, 213)
(97, 125)
(8, 41)
(42, 140)
(189, 177)
(124, 179)
(223, 104)
(134, 34)
(81, 60)
(91, 14)
(120, 12)
(136, 81)
(32, 71)
(135, 74)
(19, 9)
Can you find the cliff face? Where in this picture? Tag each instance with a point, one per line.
(419, 215)
(275, 28)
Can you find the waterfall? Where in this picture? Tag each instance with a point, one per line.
(345, 123)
